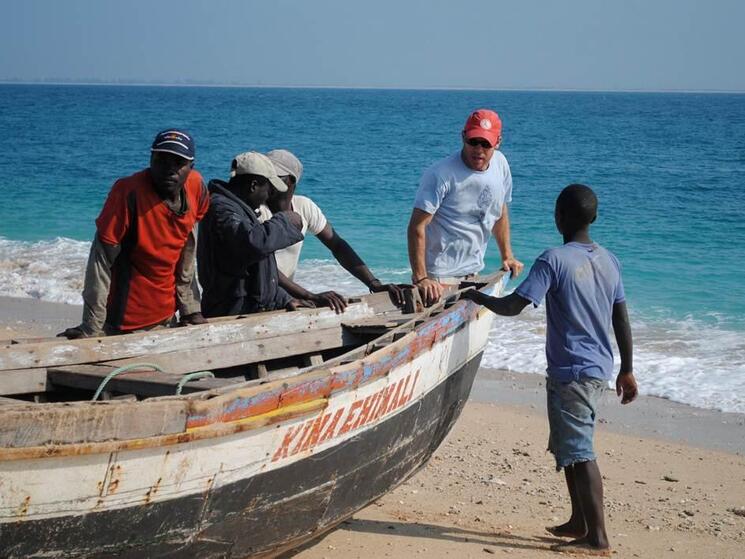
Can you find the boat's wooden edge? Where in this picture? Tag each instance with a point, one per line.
(30, 431)
(224, 330)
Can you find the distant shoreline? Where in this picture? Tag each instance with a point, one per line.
(135, 83)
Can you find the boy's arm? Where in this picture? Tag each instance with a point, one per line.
(625, 382)
(511, 305)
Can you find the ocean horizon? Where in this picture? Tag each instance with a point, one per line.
(208, 84)
(668, 168)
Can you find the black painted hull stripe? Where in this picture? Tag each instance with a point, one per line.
(268, 512)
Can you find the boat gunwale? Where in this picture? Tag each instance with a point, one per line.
(284, 398)
(140, 344)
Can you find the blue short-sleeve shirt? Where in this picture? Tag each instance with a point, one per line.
(581, 283)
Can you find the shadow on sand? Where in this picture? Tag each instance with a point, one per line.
(497, 539)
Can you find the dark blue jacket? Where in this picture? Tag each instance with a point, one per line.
(235, 256)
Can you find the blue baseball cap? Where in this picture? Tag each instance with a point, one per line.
(176, 142)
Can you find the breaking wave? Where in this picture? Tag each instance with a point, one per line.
(690, 360)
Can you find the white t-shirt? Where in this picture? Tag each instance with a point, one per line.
(465, 205)
(313, 221)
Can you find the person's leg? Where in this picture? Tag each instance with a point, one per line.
(573, 443)
(589, 488)
(575, 527)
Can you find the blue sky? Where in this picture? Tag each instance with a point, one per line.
(524, 44)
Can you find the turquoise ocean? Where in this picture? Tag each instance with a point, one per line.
(669, 170)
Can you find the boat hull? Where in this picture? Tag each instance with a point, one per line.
(268, 512)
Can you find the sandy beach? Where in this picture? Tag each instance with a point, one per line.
(674, 475)
(491, 488)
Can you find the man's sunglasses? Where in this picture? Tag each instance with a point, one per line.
(475, 142)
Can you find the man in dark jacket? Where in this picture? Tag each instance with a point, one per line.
(235, 251)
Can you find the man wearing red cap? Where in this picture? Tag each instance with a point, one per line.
(461, 201)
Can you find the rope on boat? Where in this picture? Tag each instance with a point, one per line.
(192, 376)
(123, 369)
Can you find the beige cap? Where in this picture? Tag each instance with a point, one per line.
(255, 163)
(286, 163)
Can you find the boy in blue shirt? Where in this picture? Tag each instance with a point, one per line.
(581, 282)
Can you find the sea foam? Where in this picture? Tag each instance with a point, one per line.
(48, 270)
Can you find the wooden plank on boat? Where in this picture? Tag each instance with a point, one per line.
(33, 340)
(245, 352)
(125, 398)
(91, 350)
(143, 383)
(11, 401)
(375, 325)
(412, 301)
(284, 372)
(314, 359)
(375, 346)
(84, 422)
(23, 381)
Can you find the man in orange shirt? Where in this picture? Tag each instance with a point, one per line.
(141, 266)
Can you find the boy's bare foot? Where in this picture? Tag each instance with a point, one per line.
(582, 547)
(567, 530)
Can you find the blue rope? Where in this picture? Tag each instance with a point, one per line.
(192, 376)
(123, 369)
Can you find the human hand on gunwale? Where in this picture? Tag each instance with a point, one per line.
(73, 333)
(395, 291)
(430, 290)
(80, 331)
(193, 318)
(296, 304)
(330, 299)
(513, 265)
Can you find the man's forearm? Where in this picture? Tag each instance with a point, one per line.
(352, 263)
(187, 291)
(501, 231)
(281, 298)
(417, 239)
(97, 285)
(250, 241)
(296, 291)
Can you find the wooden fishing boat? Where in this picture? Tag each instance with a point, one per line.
(124, 446)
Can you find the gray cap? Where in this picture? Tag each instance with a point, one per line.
(286, 163)
(255, 163)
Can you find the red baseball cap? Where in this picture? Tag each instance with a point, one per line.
(483, 123)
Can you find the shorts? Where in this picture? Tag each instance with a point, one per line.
(571, 419)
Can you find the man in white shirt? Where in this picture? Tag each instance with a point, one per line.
(290, 170)
(461, 201)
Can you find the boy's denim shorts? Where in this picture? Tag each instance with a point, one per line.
(571, 419)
